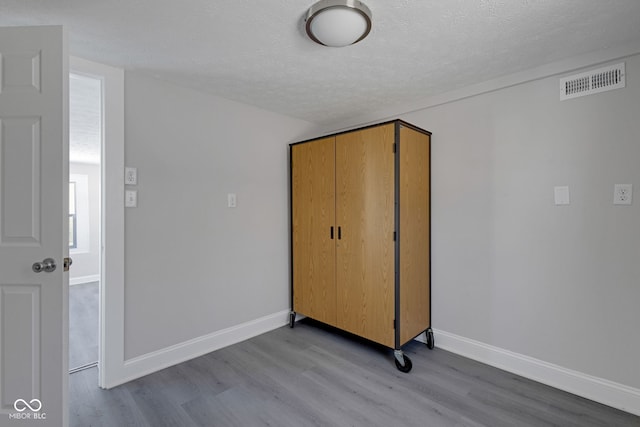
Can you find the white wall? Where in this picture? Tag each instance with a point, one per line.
(511, 269)
(550, 292)
(86, 258)
(560, 284)
(194, 266)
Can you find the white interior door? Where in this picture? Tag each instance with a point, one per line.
(33, 212)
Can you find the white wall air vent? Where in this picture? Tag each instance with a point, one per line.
(594, 81)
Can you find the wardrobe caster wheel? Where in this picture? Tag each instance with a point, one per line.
(292, 319)
(431, 342)
(406, 367)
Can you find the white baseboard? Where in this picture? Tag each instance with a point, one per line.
(84, 279)
(161, 359)
(600, 390)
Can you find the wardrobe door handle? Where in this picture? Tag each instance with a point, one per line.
(332, 232)
(339, 233)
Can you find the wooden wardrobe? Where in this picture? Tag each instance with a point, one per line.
(360, 233)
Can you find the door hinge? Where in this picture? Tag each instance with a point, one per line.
(394, 323)
(394, 147)
(394, 236)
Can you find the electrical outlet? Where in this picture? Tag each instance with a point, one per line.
(622, 194)
(130, 176)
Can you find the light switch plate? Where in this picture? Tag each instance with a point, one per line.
(561, 195)
(231, 200)
(130, 176)
(131, 199)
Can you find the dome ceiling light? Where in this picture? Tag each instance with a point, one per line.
(338, 23)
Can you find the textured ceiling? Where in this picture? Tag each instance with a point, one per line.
(85, 116)
(257, 53)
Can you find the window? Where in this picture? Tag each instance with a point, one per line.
(73, 220)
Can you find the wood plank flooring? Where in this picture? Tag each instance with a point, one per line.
(314, 376)
(83, 324)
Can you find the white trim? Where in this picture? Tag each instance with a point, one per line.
(600, 390)
(66, 398)
(83, 227)
(169, 356)
(84, 279)
(111, 339)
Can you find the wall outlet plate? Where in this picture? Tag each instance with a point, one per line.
(622, 194)
(130, 176)
(561, 195)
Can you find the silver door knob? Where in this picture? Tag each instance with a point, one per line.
(48, 265)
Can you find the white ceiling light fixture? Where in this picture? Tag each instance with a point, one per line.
(338, 23)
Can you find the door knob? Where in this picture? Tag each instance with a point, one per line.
(48, 265)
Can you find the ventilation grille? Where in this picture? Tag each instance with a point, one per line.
(594, 81)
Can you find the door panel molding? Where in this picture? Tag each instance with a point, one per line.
(20, 72)
(20, 367)
(20, 180)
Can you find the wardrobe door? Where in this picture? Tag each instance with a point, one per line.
(313, 219)
(365, 220)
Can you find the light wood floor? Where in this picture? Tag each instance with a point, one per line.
(310, 376)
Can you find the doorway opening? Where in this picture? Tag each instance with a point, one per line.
(85, 219)
(111, 370)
